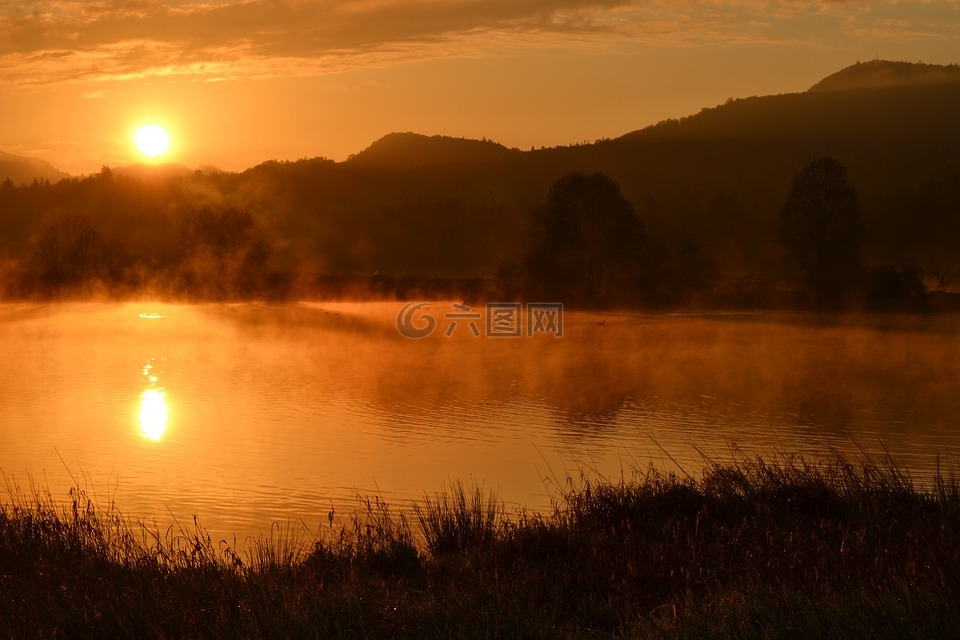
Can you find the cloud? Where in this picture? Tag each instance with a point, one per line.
(61, 40)
(297, 28)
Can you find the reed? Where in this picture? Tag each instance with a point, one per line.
(753, 548)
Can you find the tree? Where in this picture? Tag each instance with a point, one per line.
(820, 228)
(68, 252)
(897, 288)
(223, 254)
(586, 239)
(941, 275)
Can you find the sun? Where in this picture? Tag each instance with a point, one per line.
(152, 140)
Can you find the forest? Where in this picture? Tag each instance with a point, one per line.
(696, 212)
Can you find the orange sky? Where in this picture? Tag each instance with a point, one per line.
(237, 82)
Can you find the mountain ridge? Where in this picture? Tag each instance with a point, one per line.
(875, 74)
(410, 150)
(815, 115)
(417, 150)
(24, 169)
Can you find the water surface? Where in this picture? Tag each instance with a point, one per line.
(250, 414)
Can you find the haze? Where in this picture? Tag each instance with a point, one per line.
(236, 83)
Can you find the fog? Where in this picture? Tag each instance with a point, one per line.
(276, 411)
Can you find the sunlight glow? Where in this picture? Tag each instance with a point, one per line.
(153, 413)
(152, 140)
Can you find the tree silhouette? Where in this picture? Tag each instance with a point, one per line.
(942, 276)
(898, 288)
(224, 254)
(68, 252)
(586, 240)
(820, 228)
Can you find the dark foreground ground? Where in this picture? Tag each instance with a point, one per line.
(751, 549)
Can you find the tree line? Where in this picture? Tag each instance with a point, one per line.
(584, 243)
(589, 246)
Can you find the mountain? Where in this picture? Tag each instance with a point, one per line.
(885, 73)
(715, 180)
(915, 102)
(23, 170)
(718, 178)
(721, 175)
(415, 150)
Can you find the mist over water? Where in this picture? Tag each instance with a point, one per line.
(249, 414)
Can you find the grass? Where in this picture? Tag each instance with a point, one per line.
(754, 548)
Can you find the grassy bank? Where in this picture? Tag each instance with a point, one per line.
(750, 549)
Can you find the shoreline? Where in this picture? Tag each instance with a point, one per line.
(747, 548)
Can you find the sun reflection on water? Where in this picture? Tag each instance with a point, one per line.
(153, 413)
(153, 406)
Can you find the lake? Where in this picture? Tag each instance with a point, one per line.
(250, 414)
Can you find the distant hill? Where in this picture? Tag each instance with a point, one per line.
(720, 176)
(892, 138)
(412, 149)
(915, 100)
(23, 170)
(885, 73)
